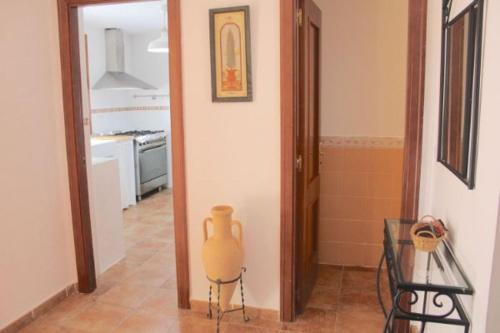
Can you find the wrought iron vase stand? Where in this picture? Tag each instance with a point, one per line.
(220, 313)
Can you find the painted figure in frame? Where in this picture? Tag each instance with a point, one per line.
(230, 52)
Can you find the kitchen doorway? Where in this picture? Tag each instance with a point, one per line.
(124, 133)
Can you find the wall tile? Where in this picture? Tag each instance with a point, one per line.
(332, 159)
(332, 183)
(374, 232)
(360, 187)
(344, 254)
(355, 184)
(381, 185)
(358, 208)
(386, 160)
(343, 231)
(356, 160)
(372, 256)
(330, 206)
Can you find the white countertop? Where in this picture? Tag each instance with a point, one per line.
(101, 139)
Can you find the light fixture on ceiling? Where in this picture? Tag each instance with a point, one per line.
(160, 45)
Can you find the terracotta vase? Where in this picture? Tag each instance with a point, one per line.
(222, 253)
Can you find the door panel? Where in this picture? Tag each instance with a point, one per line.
(307, 145)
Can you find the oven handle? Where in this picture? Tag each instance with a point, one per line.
(152, 147)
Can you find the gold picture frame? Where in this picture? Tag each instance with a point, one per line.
(230, 51)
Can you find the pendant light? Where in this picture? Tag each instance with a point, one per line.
(160, 45)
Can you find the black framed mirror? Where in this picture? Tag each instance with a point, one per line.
(460, 84)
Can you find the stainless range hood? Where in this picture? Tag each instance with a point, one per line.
(115, 76)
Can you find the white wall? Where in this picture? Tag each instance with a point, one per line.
(149, 67)
(37, 257)
(363, 67)
(107, 122)
(471, 214)
(493, 321)
(233, 149)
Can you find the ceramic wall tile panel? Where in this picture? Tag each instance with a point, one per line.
(361, 184)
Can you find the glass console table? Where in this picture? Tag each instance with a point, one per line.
(424, 286)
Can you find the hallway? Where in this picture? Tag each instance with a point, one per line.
(139, 293)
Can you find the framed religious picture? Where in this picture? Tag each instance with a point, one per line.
(231, 54)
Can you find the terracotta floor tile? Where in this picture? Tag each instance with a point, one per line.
(256, 322)
(355, 281)
(244, 328)
(190, 325)
(170, 283)
(324, 298)
(153, 277)
(360, 321)
(103, 286)
(139, 293)
(118, 272)
(160, 264)
(356, 302)
(146, 323)
(329, 277)
(313, 320)
(98, 318)
(127, 295)
(163, 301)
(40, 327)
(139, 254)
(68, 308)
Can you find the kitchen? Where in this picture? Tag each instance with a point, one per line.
(124, 58)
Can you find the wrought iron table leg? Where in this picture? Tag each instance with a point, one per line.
(379, 295)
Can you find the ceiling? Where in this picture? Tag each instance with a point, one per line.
(133, 18)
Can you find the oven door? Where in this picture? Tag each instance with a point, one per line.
(152, 163)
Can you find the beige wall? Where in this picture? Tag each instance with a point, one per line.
(36, 242)
(233, 149)
(471, 214)
(363, 68)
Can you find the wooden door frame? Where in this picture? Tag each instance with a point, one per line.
(75, 144)
(417, 14)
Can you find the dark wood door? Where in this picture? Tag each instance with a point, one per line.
(307, 145)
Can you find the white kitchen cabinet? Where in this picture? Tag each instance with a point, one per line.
(127, 172)
(123, 150)
(107, 222)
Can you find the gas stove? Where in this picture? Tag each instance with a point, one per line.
(150, 160)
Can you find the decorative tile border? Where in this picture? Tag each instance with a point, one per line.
(131, 108)
(362, 142)
(31, 316)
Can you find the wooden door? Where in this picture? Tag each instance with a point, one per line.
(307, 145)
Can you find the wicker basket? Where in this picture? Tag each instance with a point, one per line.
(422, 243)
